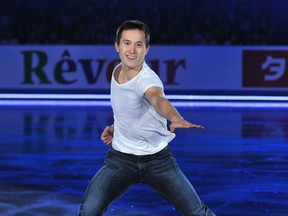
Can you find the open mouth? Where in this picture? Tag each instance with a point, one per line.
(131, 57)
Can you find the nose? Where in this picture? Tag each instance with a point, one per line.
(132, 49)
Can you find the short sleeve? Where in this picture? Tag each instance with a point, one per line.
(148, 80)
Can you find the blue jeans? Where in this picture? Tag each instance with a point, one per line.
(159, 171)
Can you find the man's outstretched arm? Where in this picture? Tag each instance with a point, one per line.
(156, 97)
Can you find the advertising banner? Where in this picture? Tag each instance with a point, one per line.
(183, 69)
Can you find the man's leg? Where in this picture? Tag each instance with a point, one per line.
(110, 182)
(164, 175)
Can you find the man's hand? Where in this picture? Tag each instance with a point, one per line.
(183, 124)
(107, 135)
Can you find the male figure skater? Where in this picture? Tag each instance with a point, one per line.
(138, 139)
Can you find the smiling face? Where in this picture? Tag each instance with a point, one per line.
(132, 49)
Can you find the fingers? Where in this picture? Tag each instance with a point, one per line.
(183, 124)
(196, 126)
(107, 135)
(107, 140)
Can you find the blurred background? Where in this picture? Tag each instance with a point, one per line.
(201, 47)
(176, 22)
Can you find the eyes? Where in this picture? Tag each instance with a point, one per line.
(127, 43)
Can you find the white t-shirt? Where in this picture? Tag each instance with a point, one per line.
(138, 128)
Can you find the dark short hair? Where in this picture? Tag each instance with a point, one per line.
(133, 24)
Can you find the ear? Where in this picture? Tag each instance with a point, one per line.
(147, 49)
(116, 46)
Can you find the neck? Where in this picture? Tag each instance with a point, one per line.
(126, 74)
